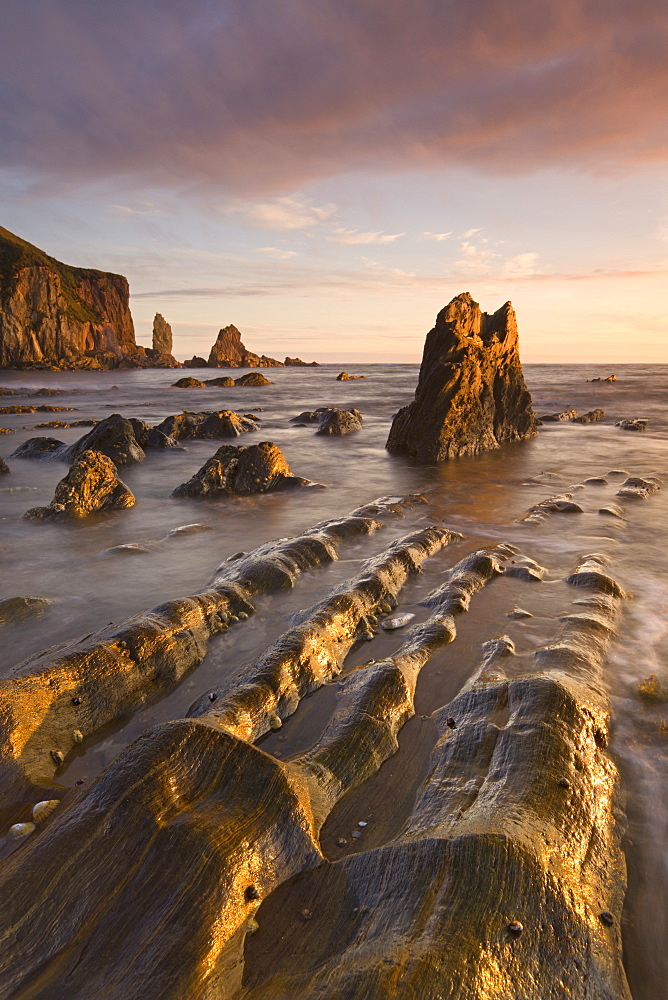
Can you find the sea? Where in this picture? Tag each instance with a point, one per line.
(91, 582)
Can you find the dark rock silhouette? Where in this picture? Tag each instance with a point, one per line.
(297, 362)
(4, 468)
(471, 395)
(216, 424)
(195, 362)
(90, 485)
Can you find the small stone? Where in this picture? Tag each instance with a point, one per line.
(356, 834)
(385, 608)
(275, 721)
(212, 695)
(251, 893)
(362, 823)
(76, 701)
(606, 918)
(77, 736)
(564, 783)
(305, 915)
(252, 926)
(341, 841)
(450, 723)
(515, 928)
(242, 615)
(80, 781)
(367, 636)
(58, 757)
(232, 619)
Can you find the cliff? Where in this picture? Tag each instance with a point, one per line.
(471, 395)
(56, 316)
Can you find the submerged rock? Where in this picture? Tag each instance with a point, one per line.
(559, 417)
(188, 382)
(471, 395)
(632, 425)
(256, 468)
(4, 468)
(40, 447)
(339, 422)
(91, 485)
(589, 418)
(114, 437)
(224, 380)
(252, 378)
(17, 609)
(207, 424)
(345, 377)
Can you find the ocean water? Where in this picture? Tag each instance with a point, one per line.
(482, 497)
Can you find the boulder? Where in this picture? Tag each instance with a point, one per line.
(345, 377)
(208, 424)
(256, 468)
(91, 485)
(195, 362)
(589, 418)
(252, 378)
(162, 335)
(151, 437)
(4, 468)
(19, 609)
(224, 380)
(40, 447)
(188, 382)
(229, 352)
(114, 437)
(471, 395)
(339, 422)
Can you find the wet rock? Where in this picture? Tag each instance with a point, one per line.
(524, 568)
(67, 423)
(91, 485)
(114, 437)
(242, 470)
(18, 609)
(209, 424)
(518, 613)
(150, 437)
(36, 409)
(229, 352)
(632, 425)
(612, 510)
(4, 468)
(224, 380)
(188, 382)
(127, 549)
(559, 417)
(562, 503)
(638, 488)
(339, 422)
(589, 418)
(252, 378)
(345, 377)
(471, 395)
(40, 447)
(595, 481)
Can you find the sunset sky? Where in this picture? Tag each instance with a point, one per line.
(327, 174)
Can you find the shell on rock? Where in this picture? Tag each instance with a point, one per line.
(41, 810)
(396, 621)
(20, 830)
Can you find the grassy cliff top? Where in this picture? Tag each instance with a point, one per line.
(15, 254)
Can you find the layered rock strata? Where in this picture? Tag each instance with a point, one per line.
(56, 316)
(471, 395)
(90, 486)
(242, 470)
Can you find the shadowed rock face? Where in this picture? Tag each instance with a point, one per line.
(331, 420)
(229, 352)
(471, 394)
(162, 335)
(219, 424)
(257, 468)
(90, 485)
(119, 439)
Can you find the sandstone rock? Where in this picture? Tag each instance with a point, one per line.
(162, 335)
(56, 316)
(256, 468)
(335, 421)
(91, 485)
(297, 362)
(195, 362)
(224, 380)
(229, 352)
(114, 437)
(252, 378)
(471, 394)
(632, 425)
(559, 417)
(208, 424)
(589, 418)
(18, 609)
(188, 382)
(345, 377)
(639, 487)
(40, 447)
(4, 468)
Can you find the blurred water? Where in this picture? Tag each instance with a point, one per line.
(481, 496)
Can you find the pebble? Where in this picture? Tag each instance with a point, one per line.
(606, 918)
(275, 721)
(564, 783)
(450, 723)
(251, 892)
(341, 841)
(305, 915)
(519, 613)
(80, 781)
(58, 757)
(362, 823)
(397, 621)
(77, 736)
(252, 926)
(515, 928)
(212, 695)
(76, 701)
(356, 834)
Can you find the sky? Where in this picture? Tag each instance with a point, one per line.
(328, 174)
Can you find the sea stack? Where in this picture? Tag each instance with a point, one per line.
(471, 395)
(162, 335)
(229, 352)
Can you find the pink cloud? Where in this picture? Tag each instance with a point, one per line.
(260, 96)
